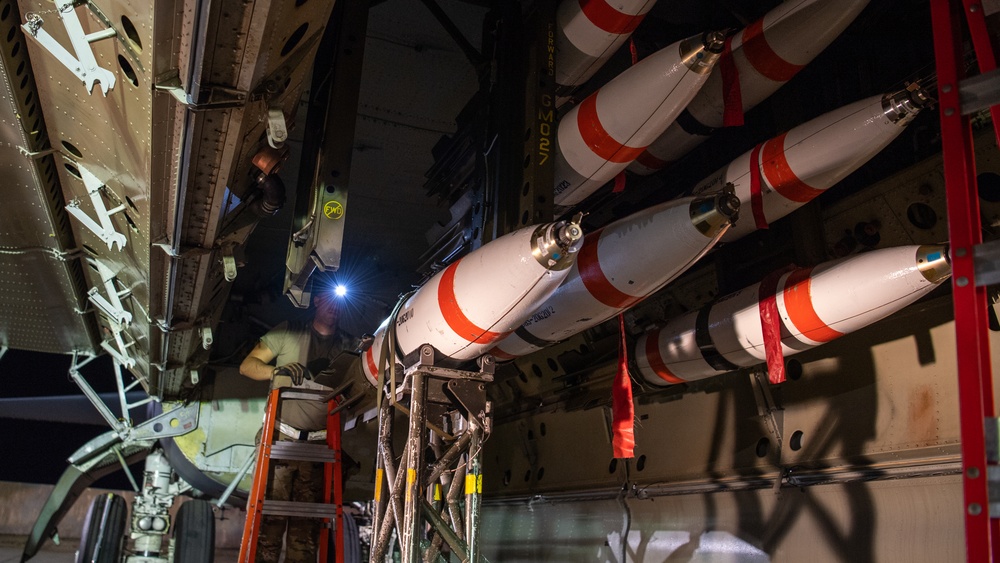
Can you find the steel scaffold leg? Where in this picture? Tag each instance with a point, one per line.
(446, 408)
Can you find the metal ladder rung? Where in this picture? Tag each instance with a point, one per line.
(299, 509)
(302, 452)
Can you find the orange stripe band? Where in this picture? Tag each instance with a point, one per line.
(597, 137)
(763, 58)
(370, 358)
(453, 314)
(779, 174)
(594, 279)
(606, 18)
(799, 306)
(656, 360)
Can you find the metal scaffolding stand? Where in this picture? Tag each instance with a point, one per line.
(448, 414)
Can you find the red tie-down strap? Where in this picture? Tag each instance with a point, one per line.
(756, 197)
(622, 409)
(770, 324)
(732, 114)
(619, 183)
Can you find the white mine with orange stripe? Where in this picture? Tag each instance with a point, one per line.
(588, 32)
(815, 305)
(598, 138)
(797, 166)
(759, 60)
(621, 265)
(469, 306)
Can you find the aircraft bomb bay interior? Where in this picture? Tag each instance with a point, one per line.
(621, 281)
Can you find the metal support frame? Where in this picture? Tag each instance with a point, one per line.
(975, 380)
(445, 406)
(522, 119)
(123, 426)
(321, 202)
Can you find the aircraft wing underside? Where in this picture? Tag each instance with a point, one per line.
(119, 205)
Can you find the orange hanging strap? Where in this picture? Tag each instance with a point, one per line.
(619, 186)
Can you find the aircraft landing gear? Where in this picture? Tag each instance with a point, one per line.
(194, 533)
(103, 530)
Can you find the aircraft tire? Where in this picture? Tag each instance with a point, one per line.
(103, 533)
(352, 540)
(194, 533)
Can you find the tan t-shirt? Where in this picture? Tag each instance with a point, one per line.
(297, 342)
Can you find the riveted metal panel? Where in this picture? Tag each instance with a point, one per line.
(41, 279)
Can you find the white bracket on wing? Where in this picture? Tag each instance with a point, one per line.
(228, 263)
(277, 129)
(112, 306)
(84, 64)
(120, 351)
(103, 227)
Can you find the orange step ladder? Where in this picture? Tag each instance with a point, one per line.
(329, 455)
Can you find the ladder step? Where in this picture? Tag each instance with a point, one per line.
(299, 509)
(301, 451)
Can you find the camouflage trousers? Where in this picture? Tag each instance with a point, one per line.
(300, 481)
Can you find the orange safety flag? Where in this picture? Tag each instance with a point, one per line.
(622, 409)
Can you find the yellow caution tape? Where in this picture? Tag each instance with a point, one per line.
(437, 491)
(378, 484)
(411, 478)
(473, 484)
